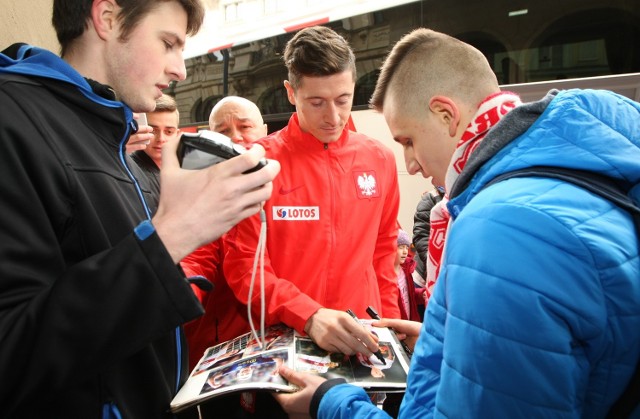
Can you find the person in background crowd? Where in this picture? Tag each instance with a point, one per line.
(225, 317)
(421, 235)
(91, 298)
(408, 297)
(404, 267)
(164, 121)
(338, 188)
(142, 136)
(239, 119)
(539, 276)
(421, 232)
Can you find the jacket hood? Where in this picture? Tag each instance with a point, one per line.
(592, 130)
(27, 60)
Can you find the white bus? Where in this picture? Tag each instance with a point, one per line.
(533, 46)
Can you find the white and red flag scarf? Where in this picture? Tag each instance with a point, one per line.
(489, 113)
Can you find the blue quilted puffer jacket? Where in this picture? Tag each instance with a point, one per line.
(536, 312)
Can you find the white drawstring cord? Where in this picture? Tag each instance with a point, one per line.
(262, 244)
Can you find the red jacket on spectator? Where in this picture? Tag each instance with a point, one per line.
(225, 317)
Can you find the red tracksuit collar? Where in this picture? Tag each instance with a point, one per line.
(308, 141)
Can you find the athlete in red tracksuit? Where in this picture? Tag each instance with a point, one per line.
(331, 229)
(331, 236)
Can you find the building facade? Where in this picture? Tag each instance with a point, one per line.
(525, 42)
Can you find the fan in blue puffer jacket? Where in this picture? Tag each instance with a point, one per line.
(536, 311)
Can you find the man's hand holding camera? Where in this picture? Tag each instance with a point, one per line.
(208, 202)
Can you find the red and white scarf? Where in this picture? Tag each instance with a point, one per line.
(490, 112)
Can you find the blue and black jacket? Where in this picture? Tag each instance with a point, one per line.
(91, 302)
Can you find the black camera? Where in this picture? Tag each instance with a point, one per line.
(206, 148)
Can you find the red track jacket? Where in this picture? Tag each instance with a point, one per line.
(331, 237)
(224, 317)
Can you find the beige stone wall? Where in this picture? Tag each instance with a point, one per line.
(27, 21)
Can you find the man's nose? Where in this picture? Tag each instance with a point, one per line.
(177, 68)
(236, 136)
(332, 115)
(412, 165)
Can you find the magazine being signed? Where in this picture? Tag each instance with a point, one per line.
(241, 364)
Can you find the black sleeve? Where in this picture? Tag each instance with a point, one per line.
(422, 229)
(319, 394)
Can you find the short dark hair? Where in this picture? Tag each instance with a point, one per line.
(317, 51)
(70, 17)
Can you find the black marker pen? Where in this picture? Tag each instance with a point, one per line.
(377, 353)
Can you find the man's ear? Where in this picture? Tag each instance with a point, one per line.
(447, 111)
(103, 17)
(290, 93)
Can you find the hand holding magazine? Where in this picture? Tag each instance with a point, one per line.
(241, 364)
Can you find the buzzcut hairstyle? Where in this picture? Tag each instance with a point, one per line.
(70, 17)
(425, 63)
(315, 52)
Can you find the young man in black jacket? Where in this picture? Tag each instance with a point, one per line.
(91, 299)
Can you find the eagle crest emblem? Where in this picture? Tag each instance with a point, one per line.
(367, 184)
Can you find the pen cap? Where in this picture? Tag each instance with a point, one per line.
(373, 313)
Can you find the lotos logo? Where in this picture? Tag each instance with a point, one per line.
(296, 213)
